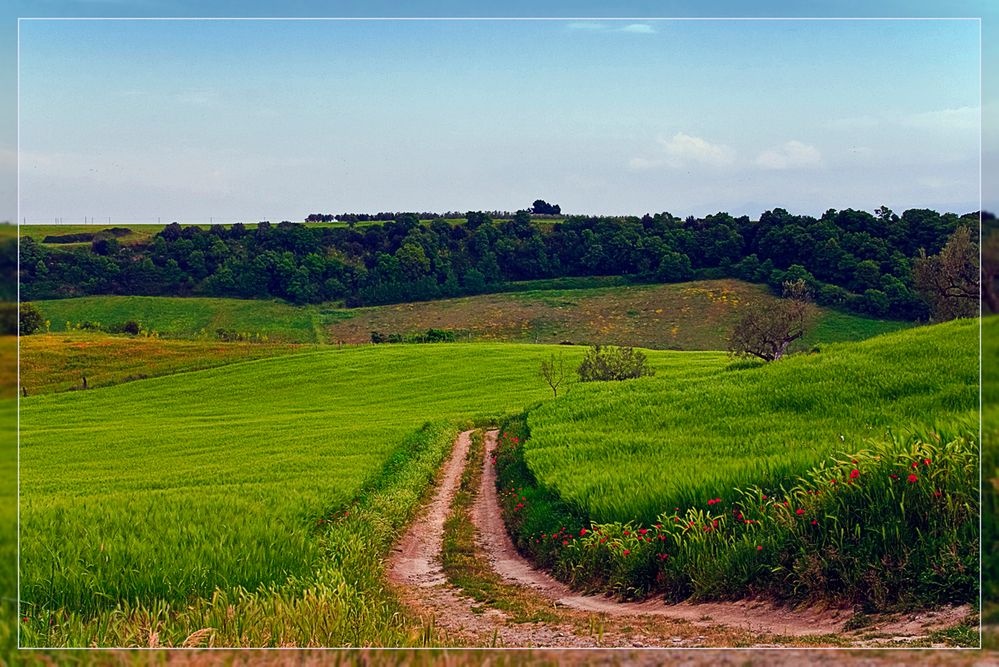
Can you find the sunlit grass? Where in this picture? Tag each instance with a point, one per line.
(632, 450)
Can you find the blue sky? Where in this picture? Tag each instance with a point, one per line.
(272, 120)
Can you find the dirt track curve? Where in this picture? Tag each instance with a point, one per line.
(415, 568)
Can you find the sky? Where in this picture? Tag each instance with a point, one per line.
(250, 120)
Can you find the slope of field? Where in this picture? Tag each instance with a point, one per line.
(166, 489)
(630, 451)
(178, 317)
(683, 316)
(58, 362)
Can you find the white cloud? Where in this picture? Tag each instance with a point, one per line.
(790, 155)
(596, 26)
(961, 118)
(638, 29)
(683, 150)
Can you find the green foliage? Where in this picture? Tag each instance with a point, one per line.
(431, 335)
(402, 259)
(950, 281)
(30, 319)
(607, 362)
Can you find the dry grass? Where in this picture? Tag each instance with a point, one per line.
(686, 316)
(58, 362)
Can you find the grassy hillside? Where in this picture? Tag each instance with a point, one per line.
(633, 450)
(177, 317)
(58, 362)
(849, 476)
(163, 490)
(684, 316)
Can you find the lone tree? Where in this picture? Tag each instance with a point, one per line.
(769, 327)
(949, 282)
(606, 362)
(554, 373)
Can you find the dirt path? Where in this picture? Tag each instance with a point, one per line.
(416, 569)
(416, 559)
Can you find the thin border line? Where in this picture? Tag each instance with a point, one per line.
(511, 19)
(499, 18)
(981, 359)
(18, 279)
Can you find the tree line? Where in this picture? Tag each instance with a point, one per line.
(850, 259)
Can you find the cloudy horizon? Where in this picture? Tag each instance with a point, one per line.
(192, 120)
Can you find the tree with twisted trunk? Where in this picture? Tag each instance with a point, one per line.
(769, 327)
(950, 281)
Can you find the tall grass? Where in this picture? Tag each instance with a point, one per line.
(790, 480)
(895, 524)
(343, 601)
(635, 449)
(187, 491)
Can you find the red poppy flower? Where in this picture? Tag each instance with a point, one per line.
(926, 462)
(913, 479)
(854, 474)
(799, 511)
(625, 552)
(759, 548)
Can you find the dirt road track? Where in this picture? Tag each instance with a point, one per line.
(415, 567)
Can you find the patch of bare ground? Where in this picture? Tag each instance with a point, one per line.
(498, 599)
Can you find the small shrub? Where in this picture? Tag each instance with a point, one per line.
(30, 319)
(608, 362)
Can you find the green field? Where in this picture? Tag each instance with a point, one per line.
(685, 316)
(177, 317)
(846, 476)
(165, 490)
(616, 450)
